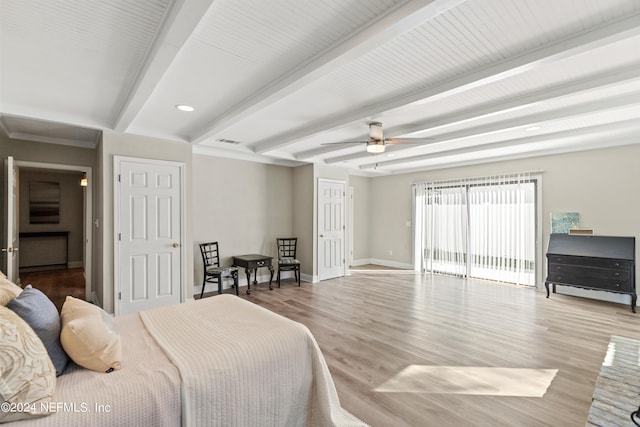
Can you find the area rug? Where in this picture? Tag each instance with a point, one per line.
(617, 392)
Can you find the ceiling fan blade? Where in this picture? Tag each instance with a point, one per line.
(398, 141)
(344, 142)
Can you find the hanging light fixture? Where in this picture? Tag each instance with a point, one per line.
(83, 181)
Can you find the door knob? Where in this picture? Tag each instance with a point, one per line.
(176, 245)
(322, 235)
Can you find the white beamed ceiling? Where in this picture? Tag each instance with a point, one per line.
(281, 78)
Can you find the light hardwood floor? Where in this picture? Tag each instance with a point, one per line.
(370, 326)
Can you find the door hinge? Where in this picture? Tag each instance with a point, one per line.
(119, 295)
(119, 177)
(120, 236)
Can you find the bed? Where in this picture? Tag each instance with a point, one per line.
(219, 361)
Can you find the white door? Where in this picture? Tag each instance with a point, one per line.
(331, 229)
(149, 249)
(10, 245)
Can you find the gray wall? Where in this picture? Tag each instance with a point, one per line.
(29, 151)
(303, 215)
(602, 185)
(243, 206)
(362, 213)
(256, 202)
(71, 218)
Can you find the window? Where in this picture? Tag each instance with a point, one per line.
(483, 228)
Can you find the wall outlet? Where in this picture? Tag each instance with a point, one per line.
(390, 252)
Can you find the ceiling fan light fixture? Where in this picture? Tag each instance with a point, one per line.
(375, 147)
(375, 131)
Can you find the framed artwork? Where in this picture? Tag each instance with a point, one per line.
(44, 202)
(562, 222)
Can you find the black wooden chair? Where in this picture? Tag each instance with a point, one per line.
(287, 260)
(212, 271)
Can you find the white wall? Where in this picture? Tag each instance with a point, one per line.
(243, 206)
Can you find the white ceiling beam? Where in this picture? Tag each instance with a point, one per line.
(556, 93)
(388, 26)
(179, 24)
(45, 115)
(237, 155)
(529, 152)
(590, 131)
(574, 45)
(585, 85)
(316, 152)
(445, 140)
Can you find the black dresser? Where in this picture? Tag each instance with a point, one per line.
(604, 263)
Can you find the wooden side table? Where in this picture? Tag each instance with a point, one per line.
(251, 263)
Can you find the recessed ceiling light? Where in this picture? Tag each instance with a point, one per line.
(183, 107)
(532, 128)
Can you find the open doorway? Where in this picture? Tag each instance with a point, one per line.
(53, 213)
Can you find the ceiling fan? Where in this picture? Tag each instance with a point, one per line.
(377, 143)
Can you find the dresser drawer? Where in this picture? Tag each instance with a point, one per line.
(604, 273)
(583, 279)
(590, 262)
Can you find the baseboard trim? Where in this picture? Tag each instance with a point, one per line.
(242, 281)
(383, 262)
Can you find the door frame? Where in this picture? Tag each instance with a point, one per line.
(88, 212)
(117, 160)
(344, 231)
(350, 230)
(10, 229)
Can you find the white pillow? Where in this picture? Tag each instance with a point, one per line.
(27, 376)
(8, 290)
(88, 336)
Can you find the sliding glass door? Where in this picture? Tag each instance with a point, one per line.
(483, 228)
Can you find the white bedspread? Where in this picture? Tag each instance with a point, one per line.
(144, 393)
(243, 365)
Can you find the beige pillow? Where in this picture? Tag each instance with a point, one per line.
(88, 336)
(27, 376)
(8, 290)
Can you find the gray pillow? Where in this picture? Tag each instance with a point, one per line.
(41, 314)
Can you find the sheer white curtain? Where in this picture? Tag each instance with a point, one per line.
(440, 211)
(482, 228)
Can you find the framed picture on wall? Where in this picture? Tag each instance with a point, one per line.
(44, 202)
